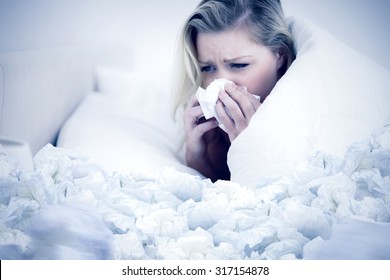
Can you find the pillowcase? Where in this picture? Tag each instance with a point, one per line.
(134, 132)
(120, 82)
(330, 97)
(113, 82)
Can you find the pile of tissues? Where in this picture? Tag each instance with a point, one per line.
(66, 208)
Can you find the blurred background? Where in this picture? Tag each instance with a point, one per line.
(145, 31)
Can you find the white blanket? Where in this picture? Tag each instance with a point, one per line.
(330, 97)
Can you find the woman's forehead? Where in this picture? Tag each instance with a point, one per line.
(233, 43)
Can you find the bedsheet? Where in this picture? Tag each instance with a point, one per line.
(67, 208)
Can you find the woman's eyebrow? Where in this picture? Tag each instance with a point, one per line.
(230, 60)
(204, 62)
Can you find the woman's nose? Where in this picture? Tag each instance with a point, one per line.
(223, 74)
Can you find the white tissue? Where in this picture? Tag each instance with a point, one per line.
(208, 97)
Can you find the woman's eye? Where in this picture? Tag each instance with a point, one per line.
(208, 68)
(238, 65)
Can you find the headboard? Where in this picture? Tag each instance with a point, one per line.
(39, 89)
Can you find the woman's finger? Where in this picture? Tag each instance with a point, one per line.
(246, 101)
(235, 107)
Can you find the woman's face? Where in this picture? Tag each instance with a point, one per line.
(233, 55)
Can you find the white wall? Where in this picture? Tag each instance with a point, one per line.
(361, 24)
(147, 29)
(150, 27)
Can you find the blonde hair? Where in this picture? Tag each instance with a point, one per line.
(264, 19)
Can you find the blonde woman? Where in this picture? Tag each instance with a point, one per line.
(244, 41)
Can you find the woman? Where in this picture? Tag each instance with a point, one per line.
(244, 41)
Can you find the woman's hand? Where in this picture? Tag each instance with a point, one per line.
(206, 145)
(241, 106)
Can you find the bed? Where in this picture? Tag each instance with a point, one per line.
(107, 177)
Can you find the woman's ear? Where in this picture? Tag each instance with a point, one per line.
(281, 58)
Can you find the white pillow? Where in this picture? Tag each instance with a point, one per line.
(122, 83)
(113, 81)
(330, 97)
(126, 134)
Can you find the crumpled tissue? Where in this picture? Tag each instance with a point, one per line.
(67, 209)
(208, 98)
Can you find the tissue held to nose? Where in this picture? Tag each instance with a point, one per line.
(208, 97)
